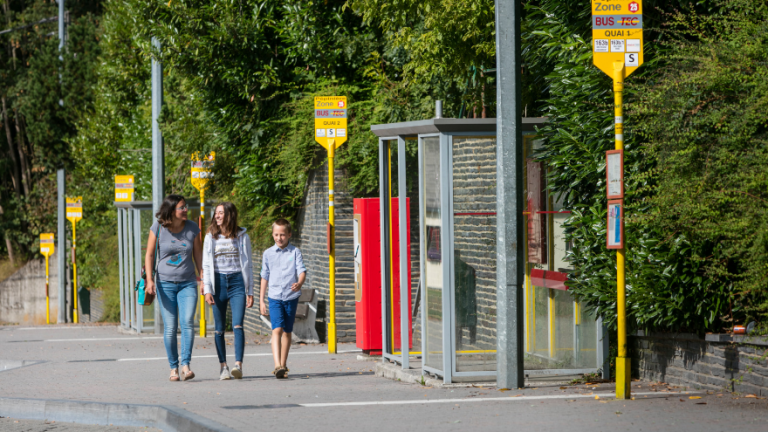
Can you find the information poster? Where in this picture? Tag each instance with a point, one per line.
(614, 172)
(615, 232)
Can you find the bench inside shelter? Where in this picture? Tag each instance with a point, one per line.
(306, 312)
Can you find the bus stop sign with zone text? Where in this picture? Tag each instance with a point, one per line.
(331, 120)
(617, 34)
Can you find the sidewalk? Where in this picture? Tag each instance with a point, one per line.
(329, 392)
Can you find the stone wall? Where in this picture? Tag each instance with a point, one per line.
(693, 361)
(310, 236)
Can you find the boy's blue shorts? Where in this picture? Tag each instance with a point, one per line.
(282, 313)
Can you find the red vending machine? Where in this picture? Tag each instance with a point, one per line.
(367, 250)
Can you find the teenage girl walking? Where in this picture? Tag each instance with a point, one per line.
(179, 253)
(228, 280)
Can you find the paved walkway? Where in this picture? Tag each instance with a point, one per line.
(333, 392)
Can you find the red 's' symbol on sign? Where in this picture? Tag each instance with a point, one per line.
(634, 7)
(341, 104)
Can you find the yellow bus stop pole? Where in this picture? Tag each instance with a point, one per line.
(623, 369)
(332, 252)
(47, 300)
(203, 329)
(74, 272)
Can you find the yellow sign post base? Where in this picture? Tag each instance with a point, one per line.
(623, 378)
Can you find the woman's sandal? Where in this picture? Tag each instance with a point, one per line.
(280, 372)
(274, 372)
(188, 375)
(174, 375)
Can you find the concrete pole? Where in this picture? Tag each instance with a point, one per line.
(61, 41)
(509, 198)
(61, 236)
(61, 25)
(158, 155)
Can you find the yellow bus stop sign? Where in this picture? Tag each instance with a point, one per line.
(74, 209)
(202, 169)
(123, 188)
(331, 120)
(617, 34)
(47, 245)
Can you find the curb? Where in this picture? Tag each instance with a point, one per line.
(394, 372)
(167, 418)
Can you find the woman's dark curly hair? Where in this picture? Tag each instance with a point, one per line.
(165, 215)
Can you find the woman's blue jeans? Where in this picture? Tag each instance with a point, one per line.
(229, 289)
(178, 301)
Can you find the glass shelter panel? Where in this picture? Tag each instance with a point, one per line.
(395, 306)
(433, 267)
(474, 253)
(146, 220)
(559, 334)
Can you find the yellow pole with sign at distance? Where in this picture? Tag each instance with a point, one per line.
(74, 272)
(623, 369)
(203, 329)
(332, 252)
(47, 300)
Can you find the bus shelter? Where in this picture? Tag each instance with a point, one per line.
(454, 178)
(133, 222)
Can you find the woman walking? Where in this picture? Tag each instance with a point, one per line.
(228, 279)
(179, 254)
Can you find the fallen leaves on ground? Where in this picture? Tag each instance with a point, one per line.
(694, 397)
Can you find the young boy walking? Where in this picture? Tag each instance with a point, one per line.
(282, 275)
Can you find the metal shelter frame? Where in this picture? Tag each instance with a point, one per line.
(445, 130)
(131, 248)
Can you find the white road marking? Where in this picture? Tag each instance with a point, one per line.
(498, 399)
(102, 339)
(62, 328)
(293, 353)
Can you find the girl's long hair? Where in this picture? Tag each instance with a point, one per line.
(228, 226)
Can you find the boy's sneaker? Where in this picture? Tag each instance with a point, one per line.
(225, 374)
(237, 372)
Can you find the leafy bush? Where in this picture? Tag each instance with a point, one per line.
(704, 128)
(667, 287)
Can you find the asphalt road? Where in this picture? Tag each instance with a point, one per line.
(335, 392)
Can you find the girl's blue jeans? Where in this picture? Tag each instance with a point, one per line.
(229, 289)
(178, 301)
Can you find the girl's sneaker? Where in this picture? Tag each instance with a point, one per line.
(225, 374)
(237, 372)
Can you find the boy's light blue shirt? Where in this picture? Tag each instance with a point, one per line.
(281, 269)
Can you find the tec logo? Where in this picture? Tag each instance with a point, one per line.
(634, 7)
(341, 104)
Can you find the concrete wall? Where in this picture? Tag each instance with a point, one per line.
(22, 295)
(689, 360)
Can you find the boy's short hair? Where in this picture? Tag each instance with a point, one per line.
(283, 223)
